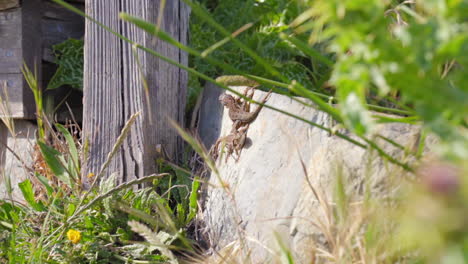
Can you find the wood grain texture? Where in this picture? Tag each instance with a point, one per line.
(102, 87)
(20, 40)
(7, 4)
(59, 24)
(166, 83)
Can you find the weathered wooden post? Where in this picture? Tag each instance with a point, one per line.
(113, 89)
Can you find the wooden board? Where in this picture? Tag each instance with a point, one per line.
(102, 88)
(22, 144)
(59, 24)
(20, 41)
(167, 87)
(11, 51)
(14, 96)
(7, 4)
(113, 89)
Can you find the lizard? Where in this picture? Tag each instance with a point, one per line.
(239, 80)
(234, 142)
(239, 112)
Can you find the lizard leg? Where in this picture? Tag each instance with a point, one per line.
(239, 140)
(235, 126)
(239, 100)
(246, 105)
(267, 96)
(238, 151)
(229, 151)
(214, 151)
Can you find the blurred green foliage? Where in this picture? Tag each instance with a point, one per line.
(414, 51)
(269, 19)
(69, 58)
(433, 215)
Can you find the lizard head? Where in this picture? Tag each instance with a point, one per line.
(226, 99)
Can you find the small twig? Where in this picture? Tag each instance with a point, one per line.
(72, 116)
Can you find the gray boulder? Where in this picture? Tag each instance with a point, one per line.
(270, 194)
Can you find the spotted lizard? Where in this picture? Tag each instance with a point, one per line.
(233, 143)
(239, 113)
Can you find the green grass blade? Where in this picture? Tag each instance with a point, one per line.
(286, 256)
(28, 194)
(46, 184)
(31, 79)
(193, 205)
(71, 146)
(309, 51)
(154, 30)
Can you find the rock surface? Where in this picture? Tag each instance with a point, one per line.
(211, 114)
(267, 195)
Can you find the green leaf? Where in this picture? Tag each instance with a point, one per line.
(193, 205)
(53, 159)
(9, 212)
(46, 184)
(124, 234)
(28, 194)
(356, 116)
(71, 145)
(180, 214)
(69, 58)
(71, 209)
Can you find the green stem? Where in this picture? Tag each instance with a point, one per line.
(207, 78)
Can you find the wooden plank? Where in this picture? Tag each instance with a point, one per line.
(31, 41)
(59, 24)
(14, 96)
(22, 144)
(102, 88)
(167, 89)
(10, 41)
(7, 4)
(20, 41)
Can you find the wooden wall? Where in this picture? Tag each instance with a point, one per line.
(113, 88)
(28, 32)
(20, 40)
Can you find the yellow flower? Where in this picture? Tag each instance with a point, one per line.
(74, 236)
(90, 175)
